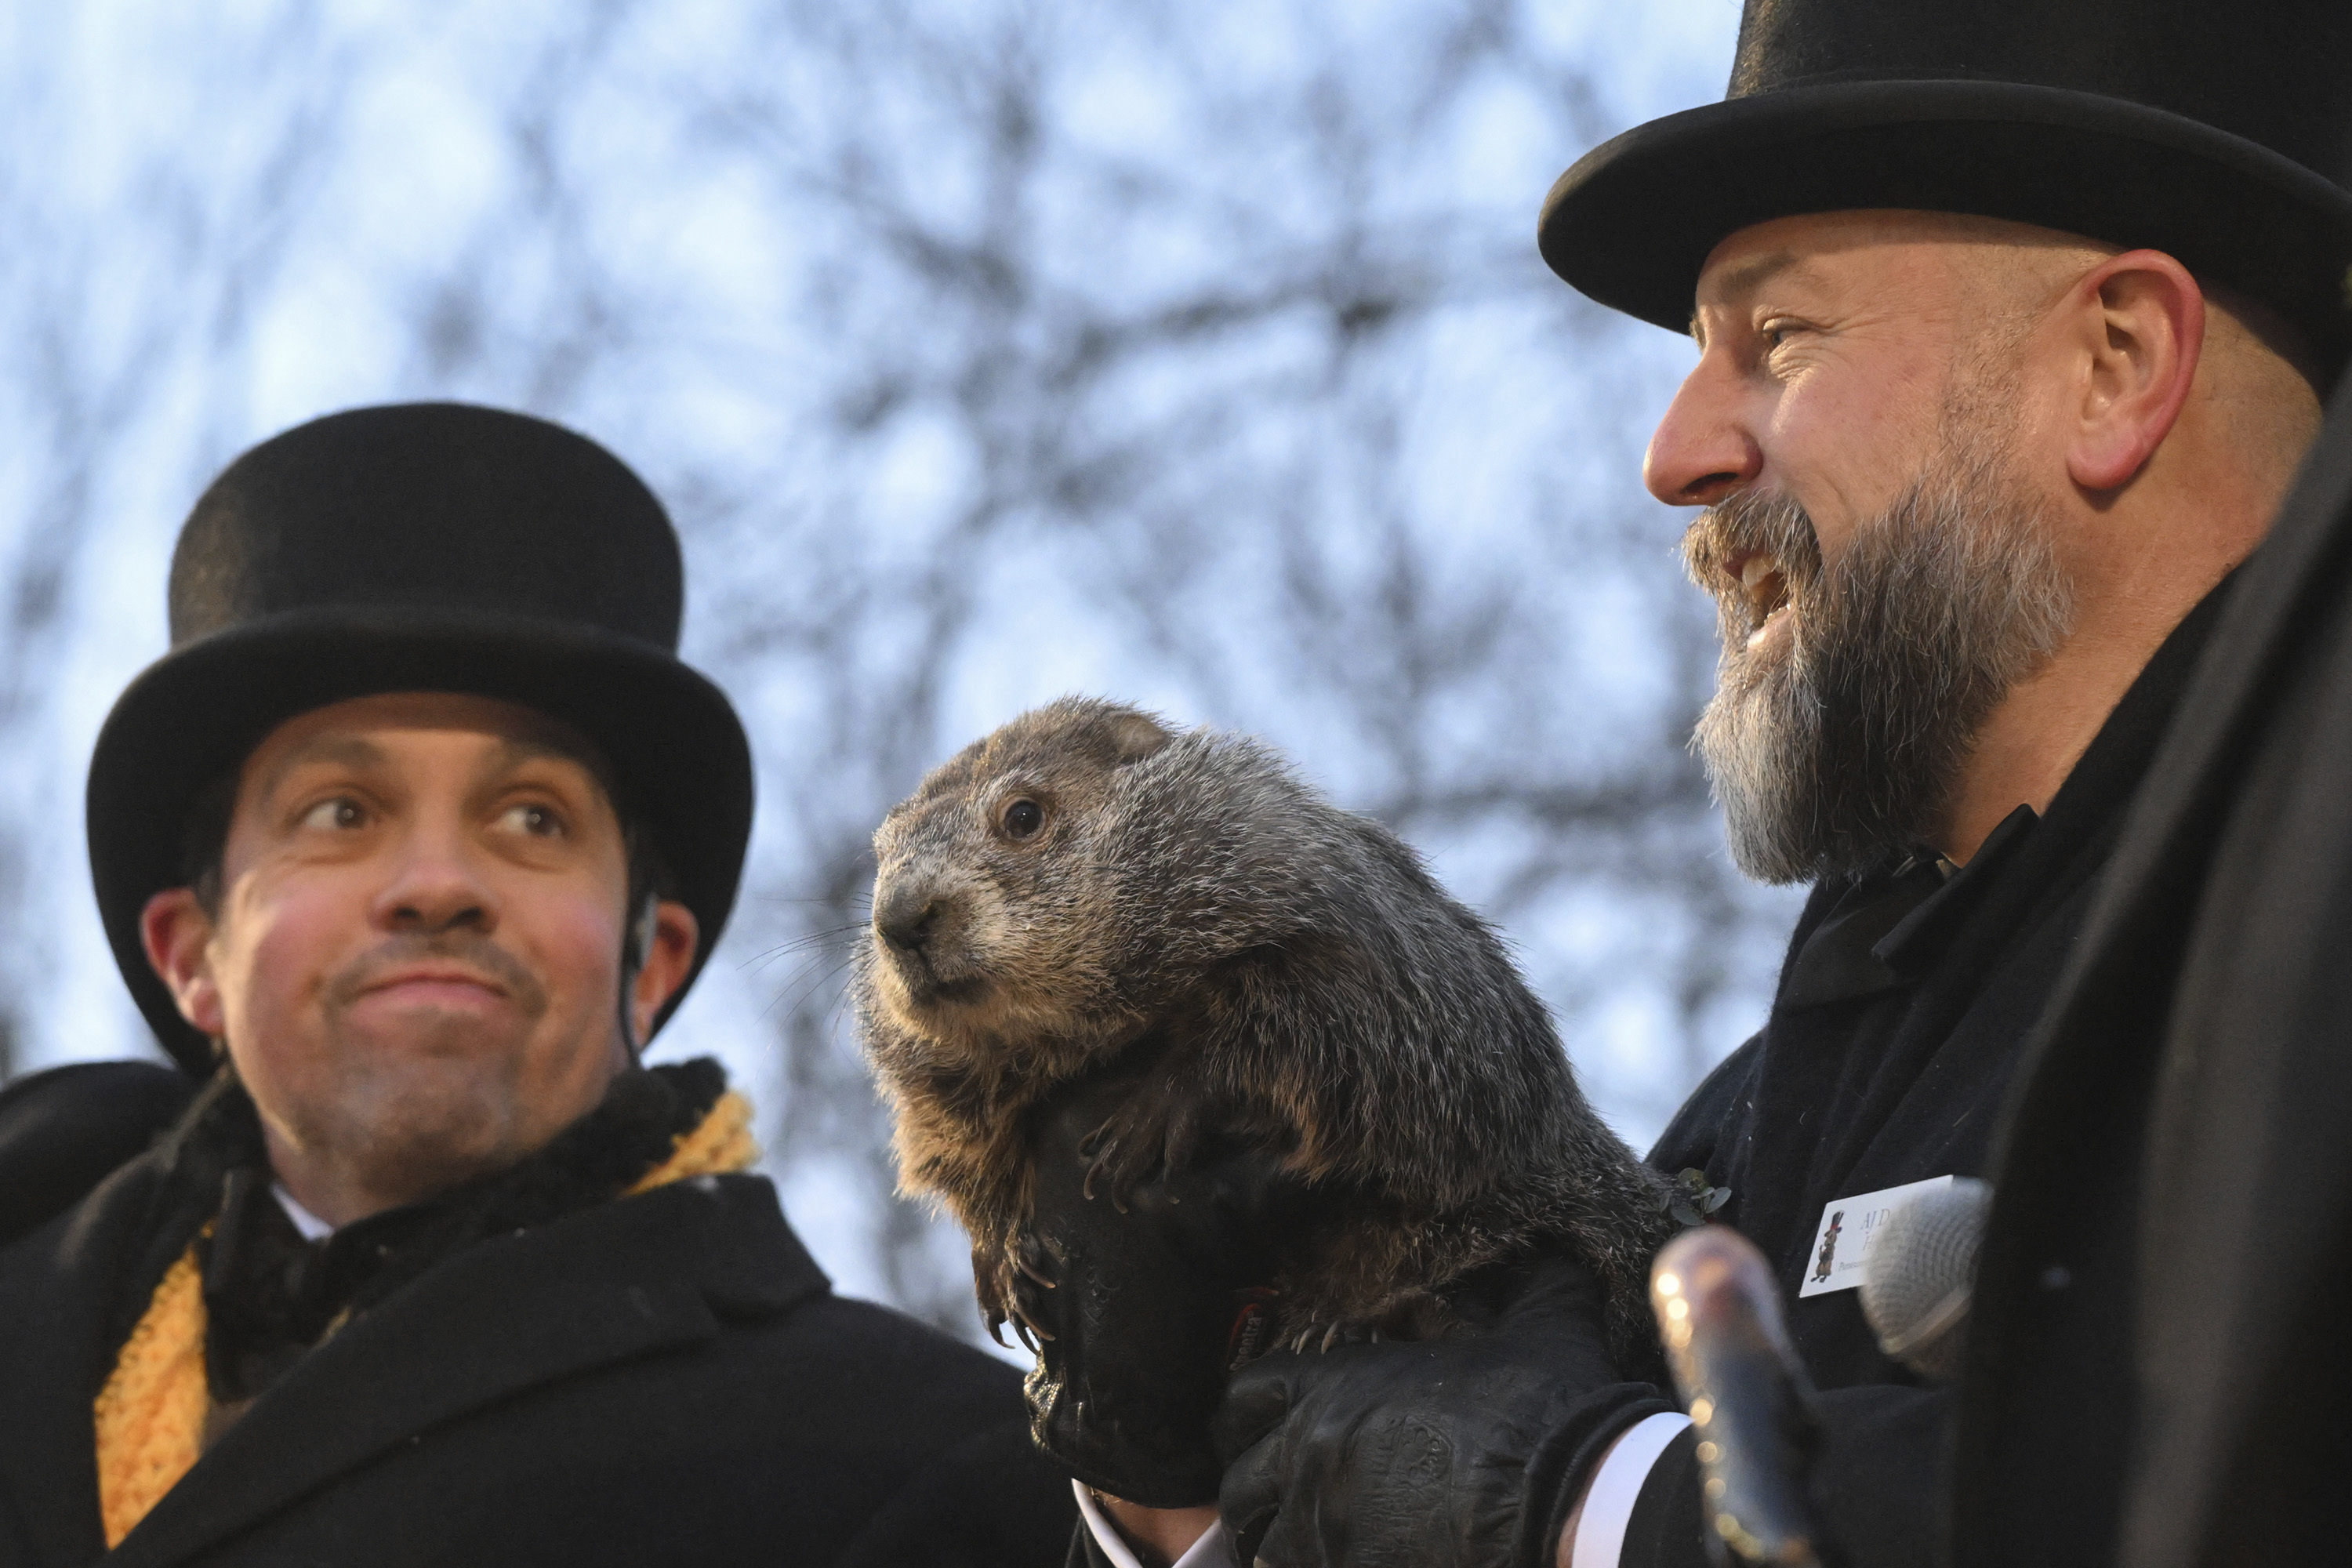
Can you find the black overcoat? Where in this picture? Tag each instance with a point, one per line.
(665, 1379)
(2160, 1371)
(1903, 1011)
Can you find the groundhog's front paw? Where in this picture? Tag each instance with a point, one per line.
(1155, 1134)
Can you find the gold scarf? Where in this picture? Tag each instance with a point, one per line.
(151, 1414)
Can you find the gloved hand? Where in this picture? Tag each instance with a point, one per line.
(1136, 1307)
(1464, 1450)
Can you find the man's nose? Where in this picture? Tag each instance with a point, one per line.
(1702, 451)
(435, 886)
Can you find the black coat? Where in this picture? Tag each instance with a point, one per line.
(2159, 1371)
(1902, 1015)
(65, 1129)
(662, 1379)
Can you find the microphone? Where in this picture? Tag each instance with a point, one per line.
(1719, 1313)
(1921, 1275)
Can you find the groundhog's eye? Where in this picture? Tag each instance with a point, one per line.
(1023, 818)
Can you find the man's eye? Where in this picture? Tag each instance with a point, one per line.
(327, 816)
(537, 821)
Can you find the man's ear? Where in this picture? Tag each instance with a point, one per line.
(667, 957)
(177, 934)
(2142, 321)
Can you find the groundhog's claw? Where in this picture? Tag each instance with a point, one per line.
(1009, 1284)
(1024, 1273)
(1331, 1335)
(1407, 1314)
(1154, 1134)
(1113, 1165)
(1028, 1328)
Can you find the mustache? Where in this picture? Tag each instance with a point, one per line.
(467, 949)
(1751, 523)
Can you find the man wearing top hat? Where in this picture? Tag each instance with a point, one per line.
(2012, 323)
(406, 849)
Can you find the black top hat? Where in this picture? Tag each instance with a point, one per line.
(2216, 132)
(421, 547)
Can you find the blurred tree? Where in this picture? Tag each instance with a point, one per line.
(126, 287)
(1193, 353)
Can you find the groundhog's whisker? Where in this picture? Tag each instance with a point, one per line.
(794, 992)
(831, 936)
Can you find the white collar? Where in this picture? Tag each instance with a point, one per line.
(311, 1227)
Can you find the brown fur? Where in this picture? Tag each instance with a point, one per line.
(1298, 975)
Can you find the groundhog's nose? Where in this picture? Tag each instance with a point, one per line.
(905, 915)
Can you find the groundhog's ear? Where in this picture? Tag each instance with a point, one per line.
(1135, 736)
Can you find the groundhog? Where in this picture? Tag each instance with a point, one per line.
(1087, 885)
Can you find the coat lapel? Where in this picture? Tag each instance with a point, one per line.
(624, 1279)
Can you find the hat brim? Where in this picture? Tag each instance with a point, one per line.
(1632, 222)
(680, 760)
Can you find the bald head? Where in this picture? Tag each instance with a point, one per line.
(2261, 381)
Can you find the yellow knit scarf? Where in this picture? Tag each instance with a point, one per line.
(151, 1414)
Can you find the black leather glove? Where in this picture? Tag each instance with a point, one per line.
(1141, 1309)
(1464, 1450)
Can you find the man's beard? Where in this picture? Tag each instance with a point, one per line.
(1842, 737)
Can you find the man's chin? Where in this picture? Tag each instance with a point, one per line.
(433, 1104)
(414, 1137)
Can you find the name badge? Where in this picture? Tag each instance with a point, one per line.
(1841, 1245)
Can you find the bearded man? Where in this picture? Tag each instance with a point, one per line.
(406, 849)
(2010, 322)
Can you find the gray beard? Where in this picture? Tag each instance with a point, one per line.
(1841, 741)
